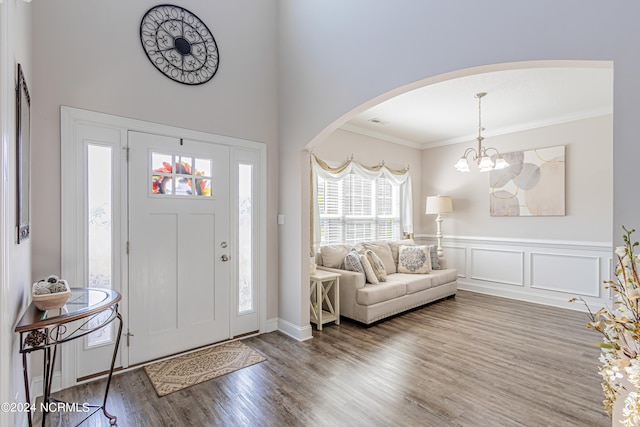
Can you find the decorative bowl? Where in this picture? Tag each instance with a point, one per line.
(51, 301)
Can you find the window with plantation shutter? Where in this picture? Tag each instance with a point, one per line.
(388, 210)
(355, 209)
(329, 202)
(353, 203)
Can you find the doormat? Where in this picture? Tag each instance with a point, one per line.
(190, 369)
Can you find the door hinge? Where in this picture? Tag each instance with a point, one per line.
(128, 247)
(127, 149)
(129, 335)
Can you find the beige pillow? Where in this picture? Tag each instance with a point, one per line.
(333, 255)
(414, 259)
(383, 251)
(376, 265)
(368, 271)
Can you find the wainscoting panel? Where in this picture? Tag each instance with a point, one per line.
(576, 274)
(498, 265)
(456, 256)
(541, 271)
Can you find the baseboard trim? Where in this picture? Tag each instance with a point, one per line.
(271, 325)
(35, 388)
(299, 333)
(527, 297)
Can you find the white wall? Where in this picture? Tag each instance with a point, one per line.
(341, 144)
(87, 54)
(588, 190)
(15, 260)
(339, 58)
(541, 259)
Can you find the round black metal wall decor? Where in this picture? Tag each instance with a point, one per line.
(179, 44)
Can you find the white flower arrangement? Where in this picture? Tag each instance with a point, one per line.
(620, 329)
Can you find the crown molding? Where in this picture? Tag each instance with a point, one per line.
(494, 132)
(523, 127)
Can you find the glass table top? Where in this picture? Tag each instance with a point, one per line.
(80, 299)
(82, 303)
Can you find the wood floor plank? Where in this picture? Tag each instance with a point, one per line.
(469, 361)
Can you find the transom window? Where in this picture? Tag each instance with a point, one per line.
(173, 175)
(354, 209)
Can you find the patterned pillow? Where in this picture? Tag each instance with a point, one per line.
(368, 271)
(383, 251)
(377, 265)
(414, 259)
(435, 262)
(396, 245)
(352, 262)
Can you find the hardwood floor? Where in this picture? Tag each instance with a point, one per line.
(472, 360)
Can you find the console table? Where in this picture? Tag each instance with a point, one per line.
(46, 330)
(321, 283)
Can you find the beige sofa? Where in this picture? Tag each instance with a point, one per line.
(368, 303)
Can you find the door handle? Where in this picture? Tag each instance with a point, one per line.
(224, 258)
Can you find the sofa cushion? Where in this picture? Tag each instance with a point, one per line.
(442, 277)
(383, 292)
(435, 261)
(394, 246)
(333, 255)
(414, 259)
(383, 250)
(368, 270)
(414, 282)
(376, 264)
(352, 262)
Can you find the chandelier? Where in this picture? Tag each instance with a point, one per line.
(481, 155)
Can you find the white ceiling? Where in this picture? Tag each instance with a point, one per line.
(447, 112)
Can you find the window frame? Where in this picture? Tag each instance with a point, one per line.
(347, 220)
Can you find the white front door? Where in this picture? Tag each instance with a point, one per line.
(177, 293)
(179, 245)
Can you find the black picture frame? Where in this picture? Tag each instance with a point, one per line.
(23, 156)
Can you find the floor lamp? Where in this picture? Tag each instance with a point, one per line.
(439, 205)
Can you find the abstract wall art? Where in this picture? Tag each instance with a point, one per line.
(532, 185)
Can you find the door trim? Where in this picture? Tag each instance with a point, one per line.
(71, 118)
(7, 337)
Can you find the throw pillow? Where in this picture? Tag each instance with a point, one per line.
(383, 251)
(377, 265)
(395, 245)
(368, 271)
(414, 259)
(352, 262)
(435, 262)
(333, 255)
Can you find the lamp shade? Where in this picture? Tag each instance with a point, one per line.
(486, 164)
(462, 165)
(439, 204)
(501, 164)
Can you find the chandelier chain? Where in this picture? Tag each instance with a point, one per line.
(481, 155)
(480, 128)
(479, 117)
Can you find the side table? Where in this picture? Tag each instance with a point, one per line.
(321, 283)
(46, 330)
